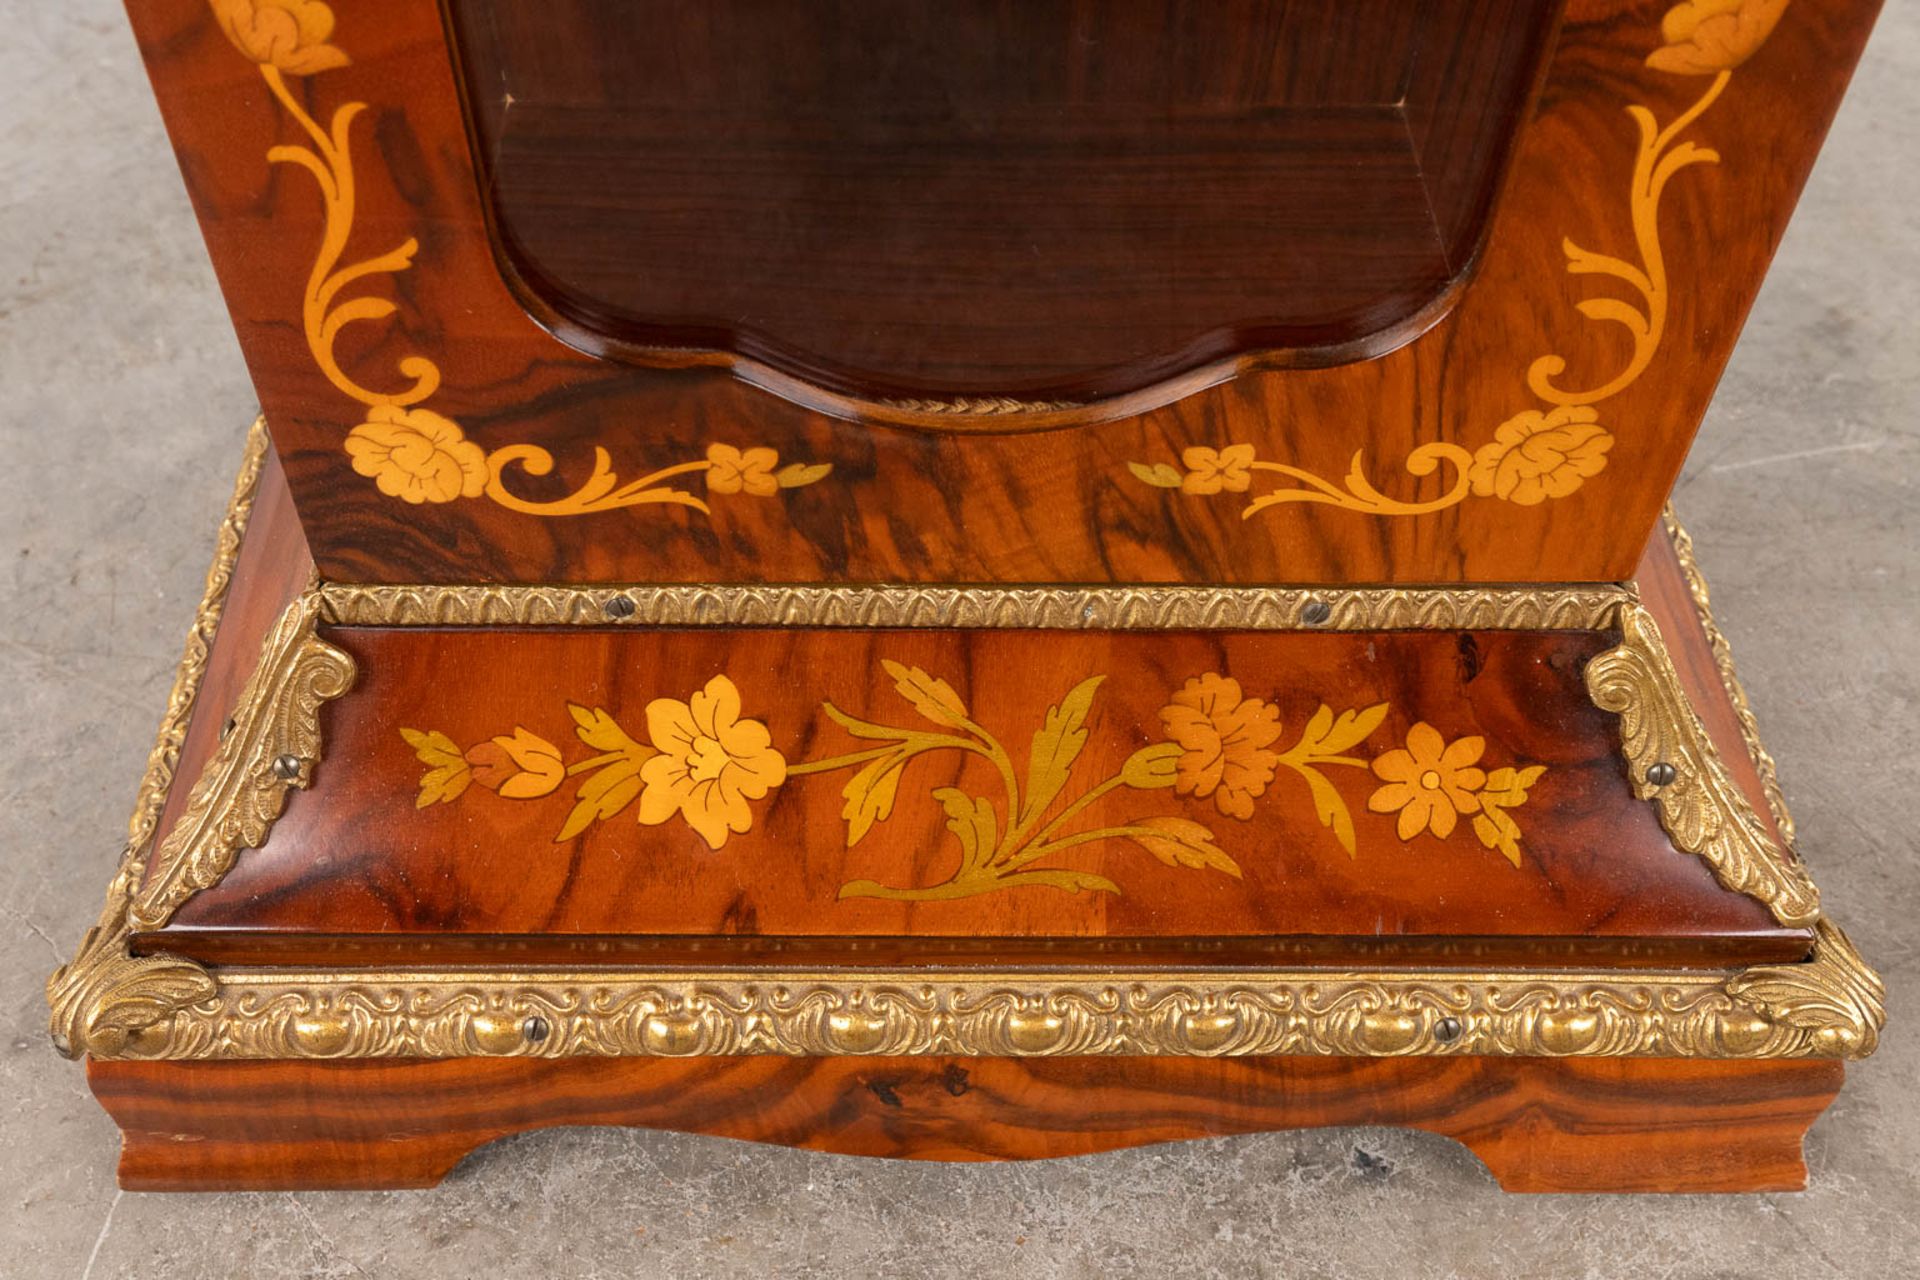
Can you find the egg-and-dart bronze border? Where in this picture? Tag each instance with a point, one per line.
(112, 1004)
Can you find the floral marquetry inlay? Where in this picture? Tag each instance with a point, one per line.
(409, 451)
(1433, 783)
(706, 762)
(1543, 453)
(111, 1002)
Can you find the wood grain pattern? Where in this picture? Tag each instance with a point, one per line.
(1046, 498)
(526, 337)
(1042, 200)
(354, 865)
(1594, 1125)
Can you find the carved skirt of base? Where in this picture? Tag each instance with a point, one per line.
(1539, 1125)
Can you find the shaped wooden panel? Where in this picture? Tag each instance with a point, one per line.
(436, 429)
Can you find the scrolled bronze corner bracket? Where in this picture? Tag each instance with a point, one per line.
(105, 995)
(1672, 762)
(107, 1000)
(1833, 998)
(1729, 676)
(271, 749)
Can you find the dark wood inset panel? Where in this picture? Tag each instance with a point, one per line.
(913, 197)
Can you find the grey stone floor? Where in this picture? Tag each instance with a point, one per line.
(122, 398)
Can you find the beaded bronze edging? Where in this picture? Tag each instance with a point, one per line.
(1827, 1007)
(1093, 608)
(112, 1004)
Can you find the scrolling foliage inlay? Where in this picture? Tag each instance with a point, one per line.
(1543, 453)
(706, 763)
(409, 451)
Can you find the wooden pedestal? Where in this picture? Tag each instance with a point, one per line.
(924, 580)
(418, 868)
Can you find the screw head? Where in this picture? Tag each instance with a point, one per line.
(1315, 612)
(535, 1029)
(286, 768)
(1661, 774)
(1447, 1030)
(620, 607)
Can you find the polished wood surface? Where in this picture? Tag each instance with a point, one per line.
(355, 873)
(1043, 199)
(724, 293)
(987, 498)
(354, 863)
(1579, 1125)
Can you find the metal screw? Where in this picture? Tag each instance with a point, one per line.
(1661, 774)
(535, 1030)
(620, 607)
(1447, 1030)
(1315, 612)
(286, 768)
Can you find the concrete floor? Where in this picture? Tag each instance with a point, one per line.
(124, 400)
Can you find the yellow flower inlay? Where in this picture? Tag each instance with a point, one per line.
(1430, 782)
(1535, 456)
(412, 453)
(731, 470)
(288, 34)
(1225, 737)
(1216, 470)
(1705, 37)
(417, 455)
(523, 766)
(711, 763)
(706, 764)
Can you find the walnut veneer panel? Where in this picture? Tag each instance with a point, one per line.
(709, 781)
(1668, 151)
